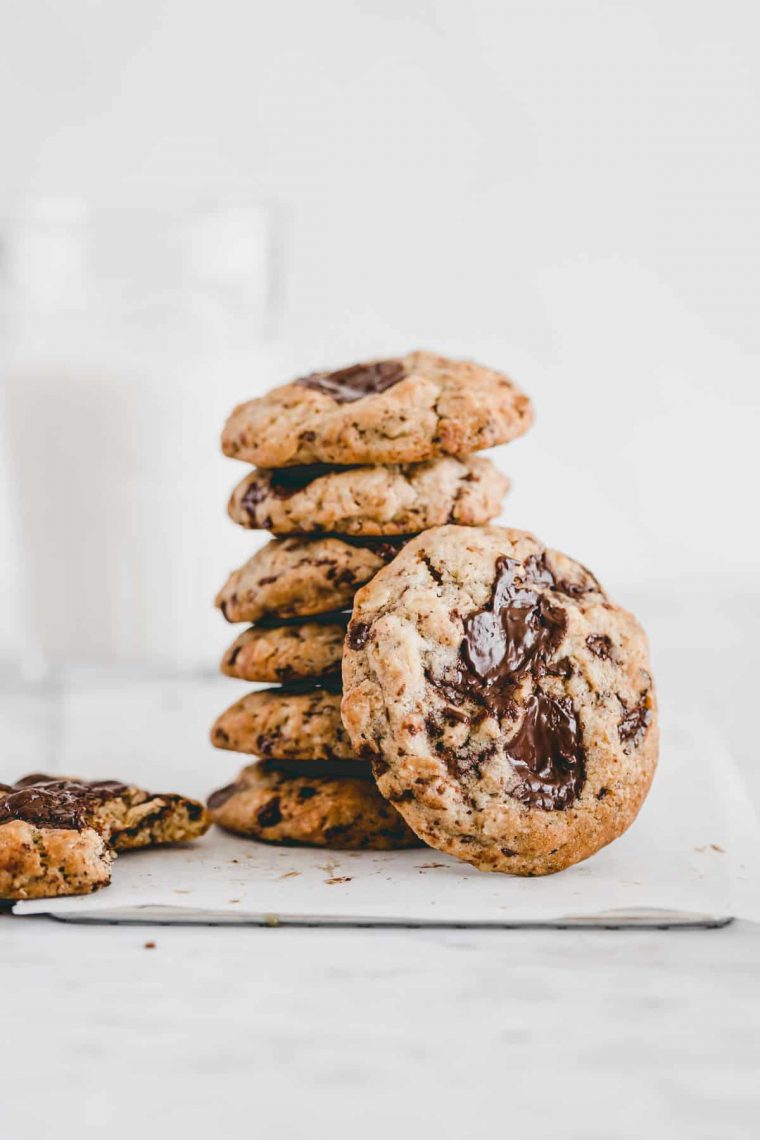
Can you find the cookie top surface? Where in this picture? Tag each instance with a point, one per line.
(302, 577)
(506, 703)
(405, 410)
(393, 500)
(329, 809)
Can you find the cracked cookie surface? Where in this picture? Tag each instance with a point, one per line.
(287, 652)
(295, 722)
(393, 500)
(58, 835)
(340, 812)
(506, 703)
(302, 577)
(412, 408)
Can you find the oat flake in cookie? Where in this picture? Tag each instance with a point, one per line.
(506, 703)
(411, 408)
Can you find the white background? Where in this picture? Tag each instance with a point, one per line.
(568, 191)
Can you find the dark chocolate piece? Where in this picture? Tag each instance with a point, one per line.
(358, 634)
(516, 632)
(350, 384)
(270, 815)
(49, 802)
(547, 753)
(631, 728)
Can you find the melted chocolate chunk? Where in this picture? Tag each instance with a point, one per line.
(547, 753)
(350, 384)
(515, 633)
(48, 802)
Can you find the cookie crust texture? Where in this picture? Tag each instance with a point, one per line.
(405, 410)
(372, 501)
(342, 813)
(506, 704)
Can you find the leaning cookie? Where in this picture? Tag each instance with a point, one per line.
(57, 836)
(302, 577)
(393, 500)
(295, 722)
(287, 652)
(416, 407)
(326, 810)
(506, 702)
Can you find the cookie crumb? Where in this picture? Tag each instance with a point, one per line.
(149, 946)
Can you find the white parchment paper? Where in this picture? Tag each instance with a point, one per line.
(692, 856)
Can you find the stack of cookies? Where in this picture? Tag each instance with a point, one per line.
(350, 465)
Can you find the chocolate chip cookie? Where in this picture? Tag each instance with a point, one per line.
(58, 836)
(302, 577)
(287, 652)
(325, 810)
(393, 500)
(412, 408)
(295, 722)
(506, 703)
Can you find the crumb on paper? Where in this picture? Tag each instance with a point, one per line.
(338, 879)
(429, 866)
(289, 875)
(271, 920)
(233, 900)
(182, 891)
(711, 847)
(149, 946)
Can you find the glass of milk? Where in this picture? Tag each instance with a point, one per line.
(128, 335)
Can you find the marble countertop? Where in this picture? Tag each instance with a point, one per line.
(293, 1032)
(322, 1032)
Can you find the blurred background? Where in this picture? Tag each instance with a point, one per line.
(199, 200)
